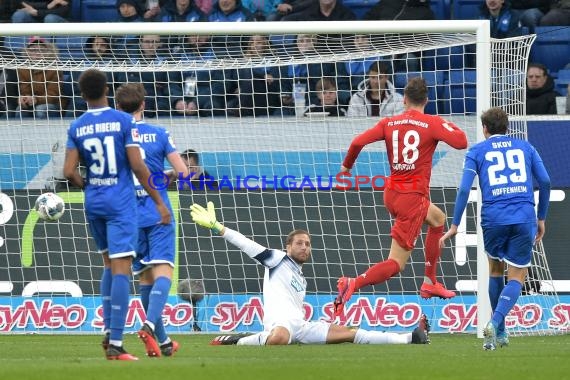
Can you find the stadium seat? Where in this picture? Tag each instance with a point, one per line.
(76, 11)
(455, 57)
(434, 80)
(99, 11)
(551, 47)
(563, 81)
(459, 92)
(467, 9)
(15, 44)
(70, 46)
(359, 7)
(441, 9)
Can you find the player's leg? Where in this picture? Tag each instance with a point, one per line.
(518, 254)
(122, 237)
(98, 230)
(435, 220)
(161, 253)
(496, 240)
(496, 285)
(409, 210)
(105, 289)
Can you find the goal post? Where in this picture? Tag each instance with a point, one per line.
(276, 165)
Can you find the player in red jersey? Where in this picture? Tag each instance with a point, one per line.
(411, 139)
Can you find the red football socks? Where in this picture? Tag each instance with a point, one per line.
(378, 273)
(432, 251)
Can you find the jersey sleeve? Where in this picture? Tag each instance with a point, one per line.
(369, 136)
(539, 172)
(169, 146)
(131, 133)
(469, 173)
(265, 256)
(449, 133)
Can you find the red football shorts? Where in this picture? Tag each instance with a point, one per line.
(410, 211)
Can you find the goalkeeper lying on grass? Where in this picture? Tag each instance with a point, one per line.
(284, 293)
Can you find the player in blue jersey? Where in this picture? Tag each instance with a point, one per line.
(156, 251)
(106, 142)
(506, 167)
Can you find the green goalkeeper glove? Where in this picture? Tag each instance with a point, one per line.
(206, 217)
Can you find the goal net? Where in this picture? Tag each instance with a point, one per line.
(271, 109)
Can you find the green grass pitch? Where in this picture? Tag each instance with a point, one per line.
(80, 357)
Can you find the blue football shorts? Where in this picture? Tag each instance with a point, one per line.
(510, 243)
(155, 246)
(116, 236)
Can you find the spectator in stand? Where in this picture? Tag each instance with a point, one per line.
(303, 77)
(229, 11)
(197, 92)
(152, 9)
(559, 14)
(540, 94)
(504, 22)
(179, 11)
(261, 9)
(529, 12)
(323, 10)
(43, 11)
(205, 6)
(7, 9)
(129, 11)
(40, 89)
(327, 99)
(400, 10)
(97, 51)
(357, 69)
(377, 95)
(287, 7)
(156, 83)
(254, 91)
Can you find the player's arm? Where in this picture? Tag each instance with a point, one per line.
(206, 217)
(178, 166)
(469, 173)
(373, 134)
(452, 135)
(70, 166)
(142, 173)
(539, 172)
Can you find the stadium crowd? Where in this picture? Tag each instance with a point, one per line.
(339, 88)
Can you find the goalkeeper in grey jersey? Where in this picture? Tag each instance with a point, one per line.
(284, 288)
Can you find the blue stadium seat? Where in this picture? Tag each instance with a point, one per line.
(441, 9)
(434, 80)
(70, 47)
(455, 57)
(467, 9)
(563, 81)
(551, 47)
(76, 11)
(99, 11)
(359, 7)
(459, 92)
(15, 44)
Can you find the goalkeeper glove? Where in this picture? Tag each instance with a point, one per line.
(206, 217)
